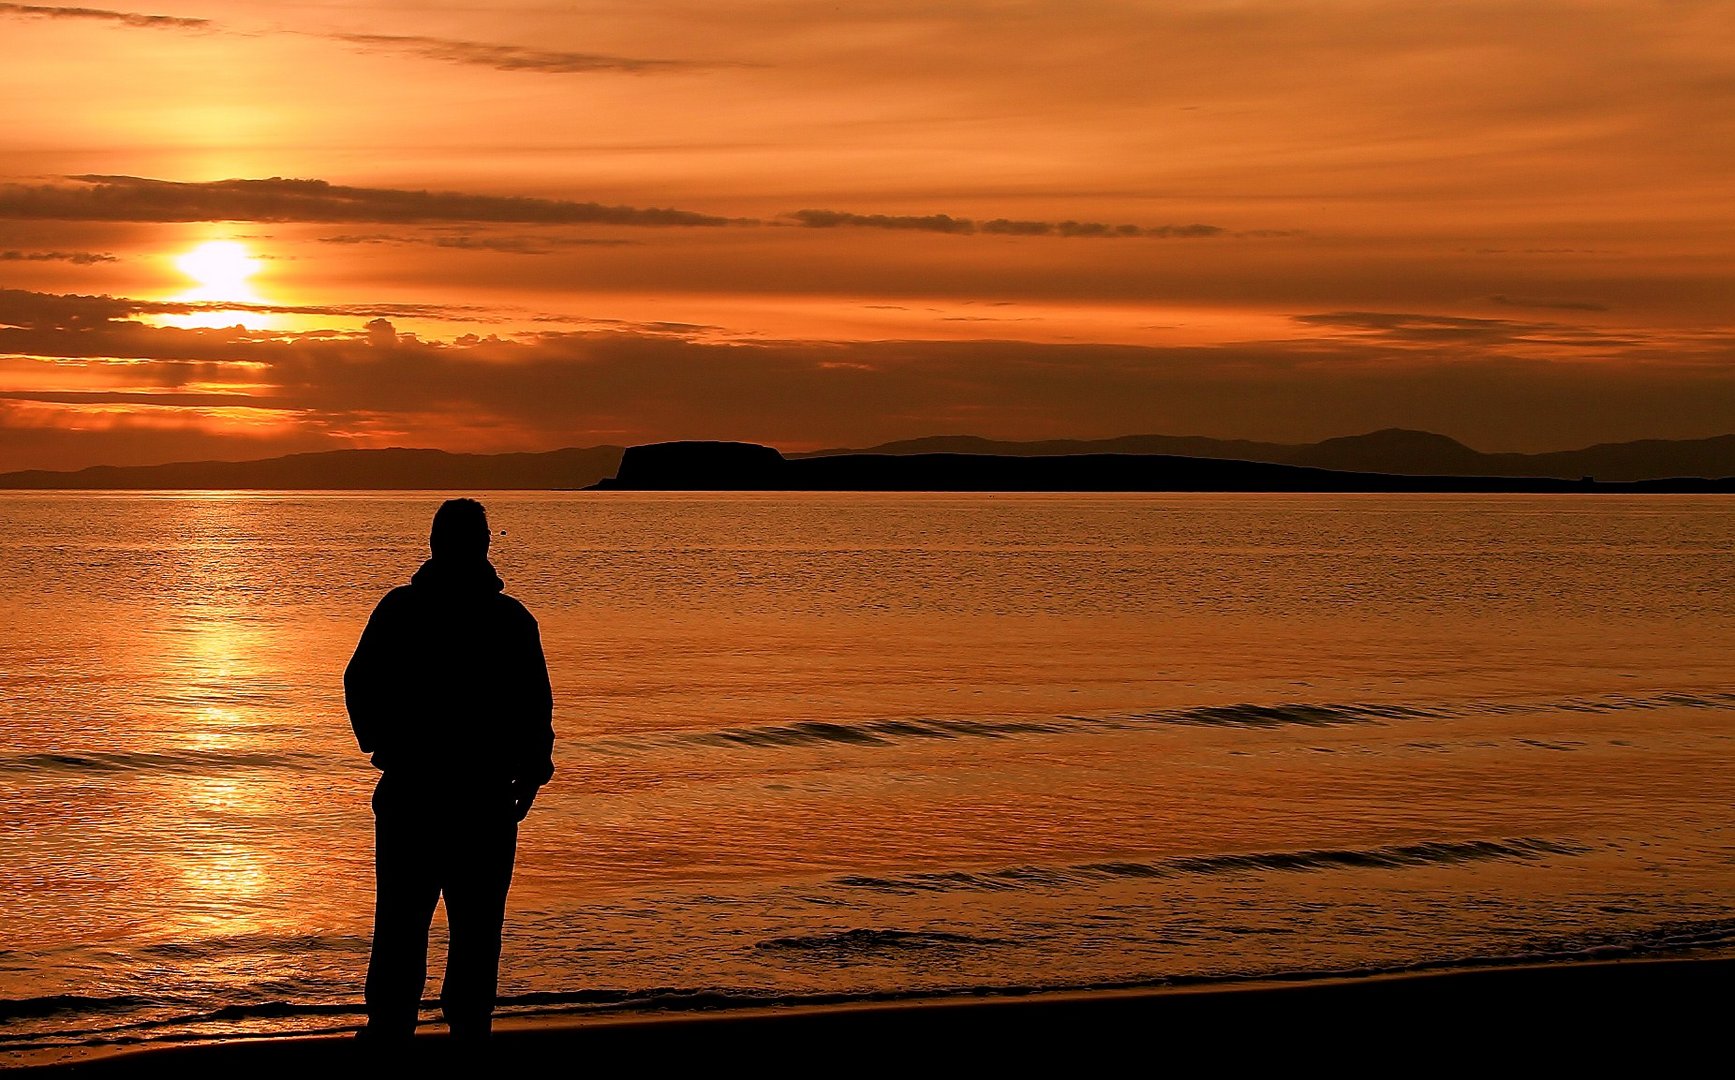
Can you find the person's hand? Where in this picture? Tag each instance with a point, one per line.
(523, 794)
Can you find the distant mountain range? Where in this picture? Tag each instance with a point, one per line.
(1393, 451)
(347, 470)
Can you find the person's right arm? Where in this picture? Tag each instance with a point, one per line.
(365, 689)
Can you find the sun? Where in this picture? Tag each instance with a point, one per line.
(221, 296)
(221, 268)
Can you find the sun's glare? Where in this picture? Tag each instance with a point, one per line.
(220, 271)
(221, 268)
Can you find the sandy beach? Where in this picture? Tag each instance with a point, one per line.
(1655, 1014)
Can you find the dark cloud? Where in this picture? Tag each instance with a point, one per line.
(830, 219)
(39, 311)
(946, 223)
(629, 385)
(124, 18)
(77, 258)
(132, 198)
(1548, 302)
(507, 57)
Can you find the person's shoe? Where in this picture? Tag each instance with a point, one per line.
(470, 1046)
(378, 1039)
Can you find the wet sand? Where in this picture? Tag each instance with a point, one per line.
(1636, 1013)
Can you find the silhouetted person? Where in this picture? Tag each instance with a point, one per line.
(448, 690)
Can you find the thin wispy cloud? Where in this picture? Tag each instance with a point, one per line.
(507, 57)
(500, 57)
(122, 18)
(76, 258)
(277, 199)
(138, 397)
(947, 223)
(133, 198)
(25, 309)
(507, 245)
(1405, 328)
(38, 323)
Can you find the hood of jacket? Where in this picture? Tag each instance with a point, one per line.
(458, 575)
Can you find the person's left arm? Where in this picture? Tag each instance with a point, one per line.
(536, 761)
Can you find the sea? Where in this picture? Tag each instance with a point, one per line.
(845, 747)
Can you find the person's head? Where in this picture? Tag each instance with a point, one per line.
(460, 530)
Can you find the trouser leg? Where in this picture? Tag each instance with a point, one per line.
(406, 889)
(476, 885)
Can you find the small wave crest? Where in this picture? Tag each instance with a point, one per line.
(865, 940)
(1288, 715)
(1242, 715)
(1436, 852)
(35, 1008)
(248, 945)
(181, 761)
(875, 732)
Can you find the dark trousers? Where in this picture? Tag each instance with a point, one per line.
(417, 860)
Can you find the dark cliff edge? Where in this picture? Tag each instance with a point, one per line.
(727, 466)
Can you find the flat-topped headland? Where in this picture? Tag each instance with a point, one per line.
(737, 466)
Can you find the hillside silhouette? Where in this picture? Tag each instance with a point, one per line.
(727, 466)
(1393, 450)
(346, 470)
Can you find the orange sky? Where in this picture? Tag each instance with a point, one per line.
(835, 224)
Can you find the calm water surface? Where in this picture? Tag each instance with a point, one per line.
(876, 744)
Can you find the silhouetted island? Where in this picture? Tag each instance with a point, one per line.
(733, 466)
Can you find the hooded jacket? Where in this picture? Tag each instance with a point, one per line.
(448, 690)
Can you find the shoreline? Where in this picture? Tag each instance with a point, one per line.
(1650, 1011)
